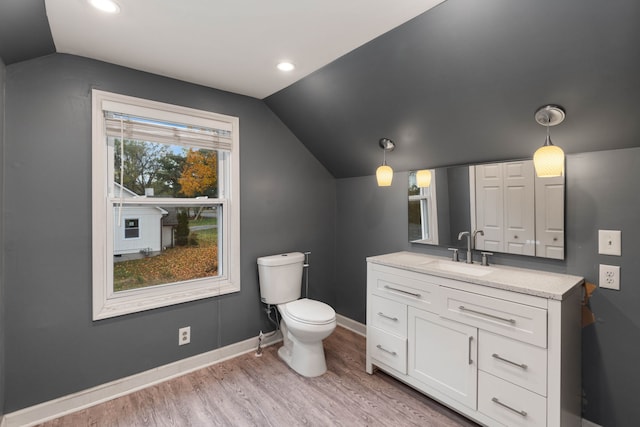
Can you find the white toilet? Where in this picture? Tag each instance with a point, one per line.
(305, 322)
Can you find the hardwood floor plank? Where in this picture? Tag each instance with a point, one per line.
(264, 391)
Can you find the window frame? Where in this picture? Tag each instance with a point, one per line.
(106, 302)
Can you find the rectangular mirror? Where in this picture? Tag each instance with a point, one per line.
(517, 212)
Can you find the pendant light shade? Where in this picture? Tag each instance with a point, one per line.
(548, 160)
(384, 173)
(423, 178)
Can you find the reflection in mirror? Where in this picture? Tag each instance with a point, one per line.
(518, 212)
(438, 213)
(423, 207)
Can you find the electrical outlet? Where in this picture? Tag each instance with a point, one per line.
(610, 276)
(184, 335)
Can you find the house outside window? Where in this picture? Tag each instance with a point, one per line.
(165, 204)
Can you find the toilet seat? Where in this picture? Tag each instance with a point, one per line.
(309, 312)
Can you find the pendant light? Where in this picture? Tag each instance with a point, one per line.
(548, 160)
(423, 178)
(384, 173)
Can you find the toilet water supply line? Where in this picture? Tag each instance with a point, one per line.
(268, 310)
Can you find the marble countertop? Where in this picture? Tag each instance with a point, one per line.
(532, 282)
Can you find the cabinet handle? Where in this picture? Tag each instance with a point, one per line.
(470, 359)
(495, 399)
(393, 353)
(519, 365)
(381, 314)
(400, 290)
(463, 308)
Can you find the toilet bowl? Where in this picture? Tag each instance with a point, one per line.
(305, 323)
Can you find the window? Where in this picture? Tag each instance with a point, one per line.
(423, 220)
(131, 228)
(165, 184)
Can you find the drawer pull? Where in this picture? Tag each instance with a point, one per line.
(381, 314)
(463, 308)
(400, 290)
(519, 365)
(393, 353)
(495, 399)
(470, 359)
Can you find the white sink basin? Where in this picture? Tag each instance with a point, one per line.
(460, 268)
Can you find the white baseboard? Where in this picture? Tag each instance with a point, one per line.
(83, 399)
(352, 325)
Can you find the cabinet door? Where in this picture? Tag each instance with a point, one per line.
(519, 208)
(550, 217)
(490, 207)
(442, 354)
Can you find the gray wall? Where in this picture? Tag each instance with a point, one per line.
(601, 194)
(461, 82)
(2, 318)
(52, 346)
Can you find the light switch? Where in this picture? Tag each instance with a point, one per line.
(609, 242)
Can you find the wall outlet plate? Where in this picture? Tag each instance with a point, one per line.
(184, 335)
(609, 242)
(610, 276)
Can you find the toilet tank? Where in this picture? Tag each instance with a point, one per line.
(280, 277)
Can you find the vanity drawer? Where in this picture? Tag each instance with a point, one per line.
(388, 348)
(408, 287)
(509, 404)
(388, 315)
(514, 320)
(515, 361)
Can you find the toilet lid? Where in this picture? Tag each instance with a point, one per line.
(310, 311)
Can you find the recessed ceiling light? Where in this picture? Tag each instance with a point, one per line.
(108, 6)
(286, 66)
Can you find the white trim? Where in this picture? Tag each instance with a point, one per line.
(77, 401)
(587, 423)
(352, 325)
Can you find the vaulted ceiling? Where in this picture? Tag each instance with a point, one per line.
(459, 83)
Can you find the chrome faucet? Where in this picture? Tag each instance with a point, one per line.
(474, 243)
(469, 255)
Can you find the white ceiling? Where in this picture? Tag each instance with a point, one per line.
(232, 45)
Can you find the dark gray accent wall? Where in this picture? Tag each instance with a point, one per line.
(601, 194)
(24, 30)
(52, 346)
(2, 305)
(461, 82)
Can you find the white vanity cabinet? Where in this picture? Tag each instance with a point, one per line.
(494, 346)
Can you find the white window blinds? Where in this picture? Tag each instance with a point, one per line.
(128, 126)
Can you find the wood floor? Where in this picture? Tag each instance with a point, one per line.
(264, 391)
